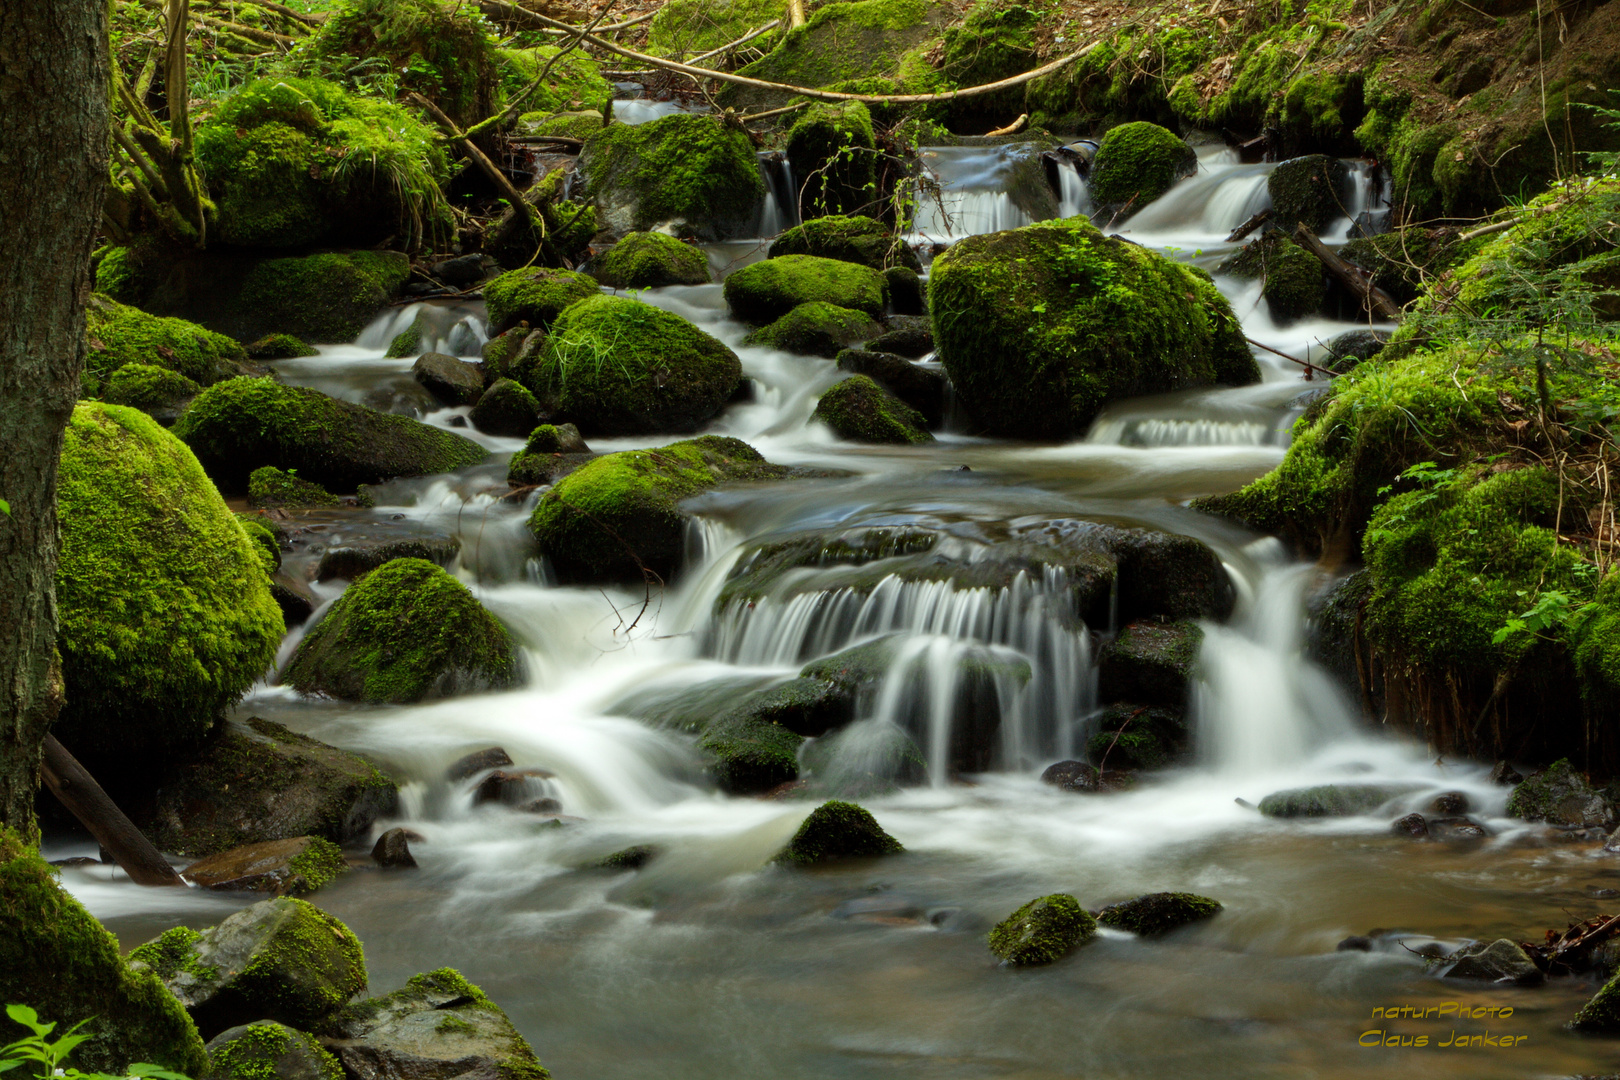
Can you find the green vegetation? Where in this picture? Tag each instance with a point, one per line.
(684, 168)
(1042, 931)
(1136, 163)
(856, 239)
(833, 153)
(648, 260)
(271, 487)
(116, 335)
(838, 830)
(328, 297)
(279, 347)
(266, 1049)
(1293, 283)
(534, 295)
(816, 329)
(575, 82)
(763, 292)
(860, 409)
(149, 389)
(1158, 913)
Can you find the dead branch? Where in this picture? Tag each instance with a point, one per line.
(745, 39)
(77, 790)
(1249, 226)
(1355, 279)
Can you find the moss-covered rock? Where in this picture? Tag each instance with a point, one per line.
(327, 297)
(56, 958)
(269, 487)
(266, 1048)
(1131, 736)
(689, 27)
(765, 291)
(578, 124)
(266, 540)
(1040, 327)
(1312, 191)
(404, 632)
(506, 408)
(116, 335)
(1158, 913)
(686, 169)
(165, 613)
(158, 392)
(1136, 163)
(1150, 663)
(292, 867)
(1292, 279)
(1327, 800)
(833, 153)
(650, 260)
(408, 342)
(923, 388)
(284, 960)
(500, 353)
(617, 366)
(994, 41)
(1560, 796)
(241, 425)
(860, 409)
(619, 515)
(1601, 1014)
(750, 755)
(838, 830)
(854, 239)
(815, 329)
(1042, 931)
(535, 295)
(279, 347)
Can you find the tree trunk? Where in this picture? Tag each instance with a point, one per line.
(53, 169)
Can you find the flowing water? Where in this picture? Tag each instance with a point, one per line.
(711, 963)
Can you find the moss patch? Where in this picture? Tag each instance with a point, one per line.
(116, 335)
(816, 329)
(1042, 931)
(859, 409)
(838, 830)
(1158, 913)
(1136, 163)
(535, 295)
(649, 260)
(833, 153)
(687, 168)
(765, 291)
(854, 239)
(270, 487)
(327, 297)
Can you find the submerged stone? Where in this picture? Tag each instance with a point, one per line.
(838, 830)
(1500, 961)
(1042, 931)
(290, 867)
(1559, 795)
(1158, 913)
(1327, 800)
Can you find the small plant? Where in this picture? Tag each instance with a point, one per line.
(1552, 610)
(49, 1059)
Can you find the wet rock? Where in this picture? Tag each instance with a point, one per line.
(1450, 803)
(808, 707)
(907, 293)
(862, 762)
(360, 556)
(837, 830)
(1351, 348)
(295, 599)
(452, 381)
(551, 452)
(1136, 163)
(1506, 775)
(650, 260)
(279, 347)
(471, 765)
(908, 336)
(437, 1026)
(268, 1049)
(1131, 736)
(631, 858)
(255, 780)
(1500, 961)
(852, 239)
(393, 849)
(512, 787)
(283, 960)
(924, 388)
(1071, 776)
(464, 271)
(860, 410)
(270, 488)
(1559, 795)
(1355, 943)
(156, 391)
(556, 439)
(506, 408)
(1457, 828)
(1327, 800)
(763, 292)
(1150, 663)
(688, 170)
(1164, 574)
(1293, 282)
(534, 295)
(1601, 1014)
(815, 329)
(1158, 913)
(1311, 191)
(1042, 931)
(749, 755)
(884, 910)
(279, 867)
(1411, 825)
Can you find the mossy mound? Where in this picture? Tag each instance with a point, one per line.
(296, 162)
(861, 410)
(1158, 913)
(690, 27)
(156, 391)
(264, 1049)
(686, 169)
(833, 151)
(506, 408)
(1327, 800)
(1136, 163)
(816, 329)
(1601, 1014)
(1040, 327)
(1312, 191)
(1131, 736)
(404, 632)
(763, 292)
(116, 334)
(750, 755)
(578, 124)
(56, 958)
(241, 425)
(1401, 262)
(327, 297)
(165, 612)
(279, 347)
(1042, 931)
(650, 260)
(854, 239)
(838, 830)
(535, 295)
(618, 516)
(616, 366)
(1292, 280)
(271, 487)
(575, 82)
(1558, 795)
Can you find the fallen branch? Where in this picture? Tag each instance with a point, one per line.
(282, 9)
(77, 790)
(773, 112)
(1486, 230)
(1310, 368)
(1373, 298)
(513, 196)
(745, 39)
(563, 140)
(1249, 226)
(251, 33)
(508, 114)
(1012, 128)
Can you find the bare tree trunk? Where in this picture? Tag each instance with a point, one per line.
(53, 172)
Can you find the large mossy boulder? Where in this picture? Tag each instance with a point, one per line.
(1042, 931)
(688, 170)
(158, 392)
(241, 425)
(1158, 913)
(853, 239)
(58, 960)
(861, 410)
(838, 830)
(1136, 163)
(264, 1049)
(1041, 327)
(117, 335)
(816, 329)
(535, 295)
(165, 616)
(617, 366)
(650, 260)
(297, 162)
(283, 959)
(618, 518)
(1559, 795)
(1293, 282)
(763, 292)
(1312, 191)
(1150, 663)
(833, 154)
(404, 632)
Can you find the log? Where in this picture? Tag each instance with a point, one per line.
(1354, 278)
(77, 790)
(1249, 226)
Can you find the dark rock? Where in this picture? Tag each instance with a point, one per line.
(1352, 347)
(808, 707)
(452, 381)
(861, 410)
(1042, 931)
(1450, 803)
(1501, 961)
(1560, 796)
(1355, 943)
(1328, 800)
(279, 867)
(924, 388)
(906, 291)
(1071, 776)
(815, 329)
(1158, 913)
(1177, 577)
(631, 858)
(1456, 828)
(464, 270)
(1412, 825)
(506, 408)
(476, 762)
(1600, 1015)
(393, 849)
(1311, 190)
(546, 806)
(512, 787)
(456, 422)
(294, 597)
(268, 1049)
(359, 557)
(837, 830)
(1131, 736)
(1150, 663)
(1506, 775)
(908, 336)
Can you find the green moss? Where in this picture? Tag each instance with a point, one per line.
(320, 863)
(408, 342)
(690, 27)
(816, 329)
(148, 388)
(535, 295)
(241, 425)
(838, 830)
(261, 1051)
(447, 994)
(402, 632)
(685, 167)
(1309, 191)
(328, 297)
(116, 335)
(270, 486)
(311, 942)
(1292, 280)
(266, 545)
(1327, 800)
(500, 352)
(631, 858)
(1158, 913)
(165, 612)
(832, 151)
(841, 42)
(750, 755)
(58, 959)
(279, 347)
(170, 953)
(858, 408)
(574, 82)
(578, 124)
(1602, 1013)
(1136, 163)
(118, 276)
(765, 291)
(857, 239)
(1042, 931)
(648, 260)
(1039, 328)
(995, 41)
(617, 366)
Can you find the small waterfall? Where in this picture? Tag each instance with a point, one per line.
(777, 210)
(457, 328)
(1202, 431)
(1074, 197)
(387, 326)
(970, 190)
(642, 111)
(1205, 207)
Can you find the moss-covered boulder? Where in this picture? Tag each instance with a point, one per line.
(437, 1024)
(575, 83)
(689, 170)
(284, 960)
(1042, 931)
(749, 753)
(923, 388)
(1131, 736)
(617, 366)
(1327, 800)
(1158, 913)
(270, 487)
(158, 392)
(164, 608)
(57, 959)
(853, 239)
(1150, 663)
(1040, 327)
(650, 260)
(506, 408)
(1136, 163)
(291, 867)
(861, 410)
(256, 780)
(279, 347)
(1292, 280)
(838, 830)
(266, 1048)
(994, 41)
(116, 335)
(816, 329)
(535, 295)
(1601, 1014)
(241, 425)
(297, 162)
(619, 517)
(1559, 795)
(578, 124)
(833, 153)
(1312, 191)
(404, 632)
(763, 292)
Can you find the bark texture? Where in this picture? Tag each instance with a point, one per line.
(53, 172)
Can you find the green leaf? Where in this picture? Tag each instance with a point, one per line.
(5, 508)
(29, 1019)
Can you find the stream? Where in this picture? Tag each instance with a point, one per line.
(711, 963)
